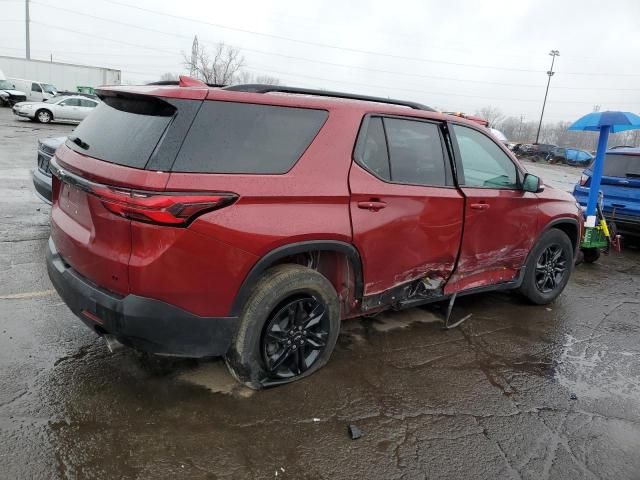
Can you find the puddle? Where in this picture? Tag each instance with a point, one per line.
(215, 377)
(592, 370)
(389, 321)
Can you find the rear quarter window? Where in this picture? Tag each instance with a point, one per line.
(229, 137)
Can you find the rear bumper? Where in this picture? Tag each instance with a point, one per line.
(626, 224)
(42, 184)
(143, 323)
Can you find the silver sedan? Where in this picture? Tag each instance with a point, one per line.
(65, 109)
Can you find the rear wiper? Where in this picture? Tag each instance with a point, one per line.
(79, 142)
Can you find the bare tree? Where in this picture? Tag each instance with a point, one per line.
(491, 114)
(169, 77)
(247, 77)
(219, 67)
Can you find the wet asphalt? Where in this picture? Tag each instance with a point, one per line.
(519, 391)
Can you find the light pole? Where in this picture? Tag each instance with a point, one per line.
(26, 30)
(554, 54)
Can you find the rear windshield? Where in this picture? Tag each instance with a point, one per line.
(122, 131)
(228, 137)
(617, 165)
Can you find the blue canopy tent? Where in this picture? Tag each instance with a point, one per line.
(605, 123)
(596, 234)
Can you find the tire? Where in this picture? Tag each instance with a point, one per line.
(543, 280)
(270, 330)
(590, 255)
(44, 116)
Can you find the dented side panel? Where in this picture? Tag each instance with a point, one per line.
(416, 234)
(497, 237)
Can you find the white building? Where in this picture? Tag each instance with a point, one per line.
(64, 76)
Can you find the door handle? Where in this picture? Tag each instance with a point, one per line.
(479, 206)
(373, 205)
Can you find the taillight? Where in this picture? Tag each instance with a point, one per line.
(584, 179)
(164, 208)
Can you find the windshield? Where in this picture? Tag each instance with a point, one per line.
(617, 165)
(49, 88)
(6, 85)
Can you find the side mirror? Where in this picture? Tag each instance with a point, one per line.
(532, 183)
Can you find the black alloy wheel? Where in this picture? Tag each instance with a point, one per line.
(295, 336)
(551, 268)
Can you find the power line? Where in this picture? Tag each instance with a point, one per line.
(445, 94)
(355, 50)
(385, 87)
(318, 44)
(341, 65)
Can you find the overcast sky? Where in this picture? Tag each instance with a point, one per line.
(454, 55)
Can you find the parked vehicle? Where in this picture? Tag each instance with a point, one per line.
(41, 175)
(540, 151)
(9, 96)
(195, 221)
(36, 91)
(523, 149)
(570, 156)
(499, 135)
(620, 187)
(63, 109)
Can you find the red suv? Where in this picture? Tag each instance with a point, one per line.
(248, 221)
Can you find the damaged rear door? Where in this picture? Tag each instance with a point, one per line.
(406, 214)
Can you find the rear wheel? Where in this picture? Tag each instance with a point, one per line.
(288, 328)
(44, 116)
(548, 267)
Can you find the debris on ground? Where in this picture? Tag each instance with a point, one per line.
(354, 432)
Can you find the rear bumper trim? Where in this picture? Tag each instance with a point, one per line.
(143, 323)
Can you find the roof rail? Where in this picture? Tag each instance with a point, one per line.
(260, 88)
(177, 83)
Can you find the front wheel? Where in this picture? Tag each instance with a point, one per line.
(44, 116)
(548, 267)
(288, 328)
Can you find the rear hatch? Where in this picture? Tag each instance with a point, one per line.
(109, 171)
(621, 184)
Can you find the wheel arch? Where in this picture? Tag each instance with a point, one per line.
(567, 225)
(278, 254)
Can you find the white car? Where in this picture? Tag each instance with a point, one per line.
(64, 109)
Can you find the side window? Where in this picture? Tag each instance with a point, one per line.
(484, 163)
(416, 152)
(228, 137)
(88, 103)
(375, 156)
(70, 102)
(36, 87)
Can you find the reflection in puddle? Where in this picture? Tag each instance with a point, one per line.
(214, 376)
(592, 370)
(388, 321)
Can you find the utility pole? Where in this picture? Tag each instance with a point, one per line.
(554, 54)
(26, 30)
